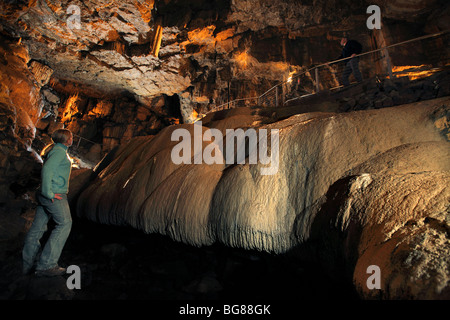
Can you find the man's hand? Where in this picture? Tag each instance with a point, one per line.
(57, 196)
(353, 55)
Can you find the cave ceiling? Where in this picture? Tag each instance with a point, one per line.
(202, 41)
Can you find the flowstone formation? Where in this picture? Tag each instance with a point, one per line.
(358, 189)
(362, 173)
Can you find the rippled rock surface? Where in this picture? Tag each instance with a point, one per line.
(366, 184)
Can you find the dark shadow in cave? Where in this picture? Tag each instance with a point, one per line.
(124, 263)
(172, 106)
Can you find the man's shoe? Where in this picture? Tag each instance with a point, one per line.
(55, 271)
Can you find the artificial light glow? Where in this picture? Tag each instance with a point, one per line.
(70, 108)
(243, 59)
(414, 72)
(290, 76)
(202, 36)
(102, 108)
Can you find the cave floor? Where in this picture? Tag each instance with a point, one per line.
(120, 263)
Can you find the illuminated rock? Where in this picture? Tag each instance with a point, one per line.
(211, 52)
(387, 166)
(221, 50)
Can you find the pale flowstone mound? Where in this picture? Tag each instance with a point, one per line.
(396, 223)
(399, 156)
(405, 232)
(254, 211)
(240, 207)
(142, 187)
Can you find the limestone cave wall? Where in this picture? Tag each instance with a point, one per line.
(209, 52)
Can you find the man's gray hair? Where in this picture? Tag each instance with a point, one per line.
(61, 135)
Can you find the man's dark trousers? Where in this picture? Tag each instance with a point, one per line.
(351, 66)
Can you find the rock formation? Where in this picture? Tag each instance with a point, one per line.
(20, 106)
(356, 185)
(208, 54)
(359, 182)
(211, 51)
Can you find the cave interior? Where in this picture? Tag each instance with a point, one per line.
(122, 75)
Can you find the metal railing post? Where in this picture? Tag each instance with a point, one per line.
(388, 63)
(317, 79)
(276, 96)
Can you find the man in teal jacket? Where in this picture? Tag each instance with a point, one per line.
(52, 203)
(56, 172)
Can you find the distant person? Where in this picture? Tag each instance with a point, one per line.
(52, 204)
(351, 48)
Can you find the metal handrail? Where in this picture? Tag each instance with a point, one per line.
(81, 138)
(333, 62)
(372, 51)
